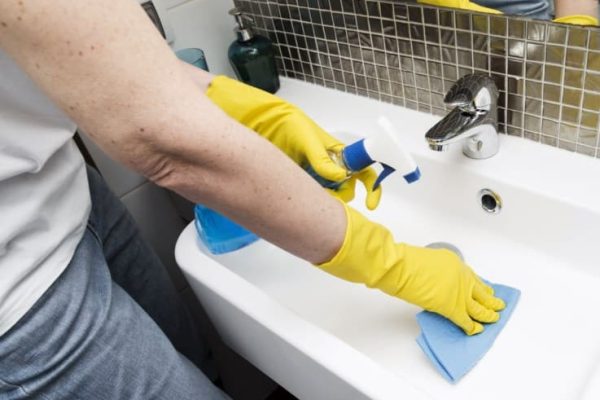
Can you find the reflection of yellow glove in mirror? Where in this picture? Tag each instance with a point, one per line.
(435, 279)
(288, 128)
(586, 20)
(461, 4)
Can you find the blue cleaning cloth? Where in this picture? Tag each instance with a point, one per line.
(450, 350)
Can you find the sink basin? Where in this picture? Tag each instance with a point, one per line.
(324, 338)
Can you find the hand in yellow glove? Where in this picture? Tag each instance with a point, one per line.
(586, 20)
(288, 128)
(435, 279)
(461, 4)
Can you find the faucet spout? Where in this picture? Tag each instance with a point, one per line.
(473, 120)
(438, 147)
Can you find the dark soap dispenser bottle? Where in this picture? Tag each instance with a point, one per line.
(252, 56)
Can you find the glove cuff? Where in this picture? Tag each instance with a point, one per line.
(346, 244)
(368, 255)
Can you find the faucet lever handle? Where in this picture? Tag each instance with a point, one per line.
(473, 93)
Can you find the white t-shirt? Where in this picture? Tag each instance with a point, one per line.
(44, 194)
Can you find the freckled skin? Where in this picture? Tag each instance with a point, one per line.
(146, 109)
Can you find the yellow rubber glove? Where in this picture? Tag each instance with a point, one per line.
(288, 128)
(586, 20)
(461, 4)
(435, 279)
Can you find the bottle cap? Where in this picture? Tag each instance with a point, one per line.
(355, 156)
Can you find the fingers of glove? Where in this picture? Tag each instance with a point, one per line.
(368, 177)
(469, 326)
(345, 192)
(487, 288)
(483, 297)
(480, 313)
(322, 163)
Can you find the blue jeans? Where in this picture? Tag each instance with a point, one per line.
(538, 9)
(111, 327)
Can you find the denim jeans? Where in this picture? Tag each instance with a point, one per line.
(111, 327)
(538, 9)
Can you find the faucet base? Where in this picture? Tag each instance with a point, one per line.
(482, 145)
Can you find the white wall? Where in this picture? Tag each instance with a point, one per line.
(204, 24)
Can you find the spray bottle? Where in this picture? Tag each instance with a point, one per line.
(384, 149)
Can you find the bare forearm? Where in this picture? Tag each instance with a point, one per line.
(564, 8)
(261, 188)
(105, 65)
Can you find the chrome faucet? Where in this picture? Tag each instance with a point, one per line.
(474, 120)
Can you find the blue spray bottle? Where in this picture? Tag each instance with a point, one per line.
(218, 233)
(384, 148)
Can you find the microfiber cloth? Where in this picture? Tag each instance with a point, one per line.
(452, 351)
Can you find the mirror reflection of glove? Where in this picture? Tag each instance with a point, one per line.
(288, 128)
(435, 279)
(461, 4)
(586, 20)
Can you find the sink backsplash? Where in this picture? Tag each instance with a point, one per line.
(408, 54)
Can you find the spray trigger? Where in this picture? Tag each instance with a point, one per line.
(387, 170)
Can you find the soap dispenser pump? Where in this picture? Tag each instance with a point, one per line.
(252, 56)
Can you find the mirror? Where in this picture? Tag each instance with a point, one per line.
(578, 12)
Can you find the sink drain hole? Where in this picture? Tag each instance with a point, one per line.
(490, 201)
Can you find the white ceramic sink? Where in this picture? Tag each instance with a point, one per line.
(323, 338)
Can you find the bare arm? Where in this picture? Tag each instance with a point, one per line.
(105, 65)
(564, 8)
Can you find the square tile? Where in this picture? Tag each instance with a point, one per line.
(570, 115)
(578, 37)
(575, 58)
(555, 54)
(498, 25)
(536, 31)
(593, 61)
(553, 74)
(552, 92)
(549, 128)
(516, 28)
(591, 101)
(551, 111)
(588, 137)
(408, 78)
(572, 97)
(573, 77)
(592, 82)
(462, 20)
(557, 34)
(589, 119)
(534, 71)
(567, 132)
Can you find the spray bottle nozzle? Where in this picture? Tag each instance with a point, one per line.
(384, 149)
